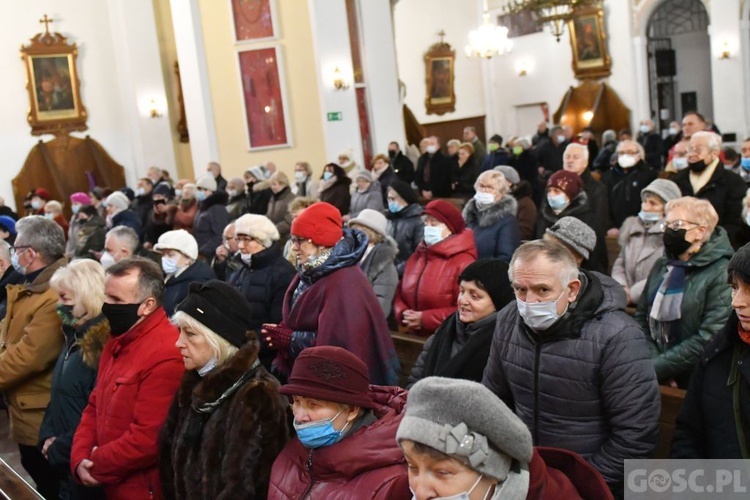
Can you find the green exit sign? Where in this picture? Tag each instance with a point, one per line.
(335, 116)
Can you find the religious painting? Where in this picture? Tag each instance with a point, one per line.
(254, 20)
(53, 86)
(588, 42)
(263, 93)
(440, 65)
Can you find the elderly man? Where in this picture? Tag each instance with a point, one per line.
(226, 261)
(215, 170)
(574, 366)
(624, 183)
(120, 243)
(31, 341)
(480, 151)
(401, 165)
(140, 369)
(649, 138)
(433, 177)
(706, 178)
(550, 153)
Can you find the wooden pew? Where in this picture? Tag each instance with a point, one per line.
(408, 348)
(671, 402)
(13, 487)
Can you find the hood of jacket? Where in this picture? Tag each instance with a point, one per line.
(92, 336)
(489, 216)
(347, 252)
(197, 271)
(382, 255)
(215, 198)
(523, 189)
(452, 245)
(411, 210)
(717, 247)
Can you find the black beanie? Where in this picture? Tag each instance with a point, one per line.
(740, 264)
(221, 308)
(492, 276)
(404, 190)
(164, 189)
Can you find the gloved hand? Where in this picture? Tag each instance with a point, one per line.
(278, 337)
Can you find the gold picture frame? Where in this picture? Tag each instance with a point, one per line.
(440, 63)
(52, 82)
(588, 42)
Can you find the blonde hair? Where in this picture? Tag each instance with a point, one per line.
(467, 146)
(453, 142)
(279, 177)
(378, 157)
(494, 176)
(701, 212)
(84, 279)
(301, 203)
(222, 349)
(54, 206)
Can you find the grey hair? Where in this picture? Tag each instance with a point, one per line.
(609, 135)
(582, 147)
(453, 142)
(496, 177)
(639, 147)
(54, 206)
(150, 276)
(713, 141)
(43, 235)
(125, 235)
(4, 251)
(555, 252)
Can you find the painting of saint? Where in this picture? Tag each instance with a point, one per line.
(53, 86)
(442, 86)
(588, 45)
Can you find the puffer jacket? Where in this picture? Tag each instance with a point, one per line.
(209, 224)
(407, 228)
(586, 384)
(640, 248)
(706, 305)
(367, 464)
(128, 218)
(496, 230)
(372, 198)
(176, 286)
(381, 272)
(430, 282)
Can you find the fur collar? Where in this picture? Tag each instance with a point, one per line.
(490, 216)
(261, 185)
(92, 340)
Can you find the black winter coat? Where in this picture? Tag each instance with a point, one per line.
(464, 178)
(624, 190)
(130, 219)
(258, 196)
(407, 228)
(210, 221)
(403, 167)
(439, 182)
(652, 145)
(176, 287)
(385, 180)
(598, 201)
(143, 205)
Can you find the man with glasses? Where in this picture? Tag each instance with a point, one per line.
(707, 179)
(227, 259)
(31, 340)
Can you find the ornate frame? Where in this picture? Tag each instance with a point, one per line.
(49, 54)
(587, 34)
(440, 95)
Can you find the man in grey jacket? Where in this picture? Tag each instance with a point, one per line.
(574, 366)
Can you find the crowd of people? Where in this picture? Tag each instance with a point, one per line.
(233, 338)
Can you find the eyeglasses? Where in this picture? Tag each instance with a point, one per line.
(677, 224)
(242, 238)
(18, 249)
(634, 153)
(160, 202)
(297, 241)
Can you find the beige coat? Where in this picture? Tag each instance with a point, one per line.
(30, 341)
(639, 250)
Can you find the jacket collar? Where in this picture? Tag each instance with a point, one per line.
(152, 321)
(41, 282)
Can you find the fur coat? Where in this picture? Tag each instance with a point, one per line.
(238, 442)
(496, 230)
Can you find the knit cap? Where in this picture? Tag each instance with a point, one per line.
(510, 173)
(117, 200)
(404, 190)
(364, 174)
(447, 213)
(663, 188)
(574, 233)
(258, 227)
(179, 240)
(206, 182)
(567, 182)
(80, 198)
(492, 275)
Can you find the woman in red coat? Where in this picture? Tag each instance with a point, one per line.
(428, 290)
(346, 433)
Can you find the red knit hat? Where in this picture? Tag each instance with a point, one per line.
(446, 213)
(332, 374)
(567, 182)
(320, 222)
(43, 194)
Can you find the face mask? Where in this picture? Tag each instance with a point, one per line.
(747, 219)
(673, 131)
(300, 176)
(728, 166)
(675, 243)
(698, 166)
(745, 162)
(433, 234)
(319, 433)
(327, 175)
(75, 209)
(458, 496)
(121, 317)
(626, 161)
(539, 315)
(557, 202)
(232, 193)
(169, 265)
(106, 260)
(492, 147)
(679, 163)
(200, 195)
(140, 192)
(517, 150)
(561, 138)
(14, 262)
(649, 217)
(178, 192)
(391, 154)
(247, 258)
(431, 149)
(645, 129)
(66, 314)
(484, 198)
(49, 216)
(36, 204)
(394, 207)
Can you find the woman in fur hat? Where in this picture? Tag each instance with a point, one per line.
(228, 420)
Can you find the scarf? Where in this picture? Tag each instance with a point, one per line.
(667, 304)
(325, 184)
(744, 334)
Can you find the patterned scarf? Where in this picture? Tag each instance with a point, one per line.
(667, 304)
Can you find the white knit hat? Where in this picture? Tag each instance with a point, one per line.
(371, 219)
(206, 182)
(179, 240)
(258, 227)
(118, 200)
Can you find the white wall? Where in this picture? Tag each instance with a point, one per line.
(693, 60)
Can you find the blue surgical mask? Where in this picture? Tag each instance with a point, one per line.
(178, 193)
(14, 262)
(75, 208)
(327, 175)
(169, 265)
(464, 495)
(394, 207)
(319, 433)
(645, 129)
(539, 315)
(649, 217)
(745, 162)
(557, 201)
(200, 195)
(49, 216)
(679, 163)
(433, 234)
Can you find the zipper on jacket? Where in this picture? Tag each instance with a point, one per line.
(537, 355)
(309, 469)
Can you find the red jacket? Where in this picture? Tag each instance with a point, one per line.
(367, 464)
(555, 474)
(139, 373)
(430, 282)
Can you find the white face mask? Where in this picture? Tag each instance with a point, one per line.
(626, 161)
(674, 131)
(433, 234)
(679, 163)
(300, 176)
(464, 495)
(247, 258)
(539, 315)
(645, 129)
(431, 149)
(232, 193)
(107, 260)
(561, 138)
(484, 198)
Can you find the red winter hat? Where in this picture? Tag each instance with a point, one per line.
(331, 374)
(567, 182)
(446, 213)
(320, 222)
(43, 194)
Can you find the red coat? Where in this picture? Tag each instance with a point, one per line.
(430, 281)
(555, 473)
(367, 464)
(139, 373)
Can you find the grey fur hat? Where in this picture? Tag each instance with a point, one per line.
(465, 420)
(574, 233)
(663, 188)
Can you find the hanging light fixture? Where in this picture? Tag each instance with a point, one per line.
(489, 39)
(553, 13)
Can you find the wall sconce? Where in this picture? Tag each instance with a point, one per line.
(522, 67)
(338, 80)
(588, 115)
(725, 53)
(154, 111)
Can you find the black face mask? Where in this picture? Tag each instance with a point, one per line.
(675, 243)
(66, 314)
(697, 167)
(391, 154)
(121, 317)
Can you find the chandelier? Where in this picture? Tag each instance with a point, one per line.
(553, 13)
(488, 40)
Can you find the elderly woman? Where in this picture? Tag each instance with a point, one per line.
(278, 205)
(228, 421)
(77, 200)
(367, 195)
(491, 214)
(641, 239)
(237, 202)
(181, 266)
(328, 274)
(686, 300)
(427, 293)
(304, 184)
(80, 290)
(378, 261)
(405, 224)
(462, 441)
(461, 345)
(161, 217)
(53, 211)
(383, 173)
(212, 216)
(334, 188)
(295, 208)
(465, 172)
(346, 432)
